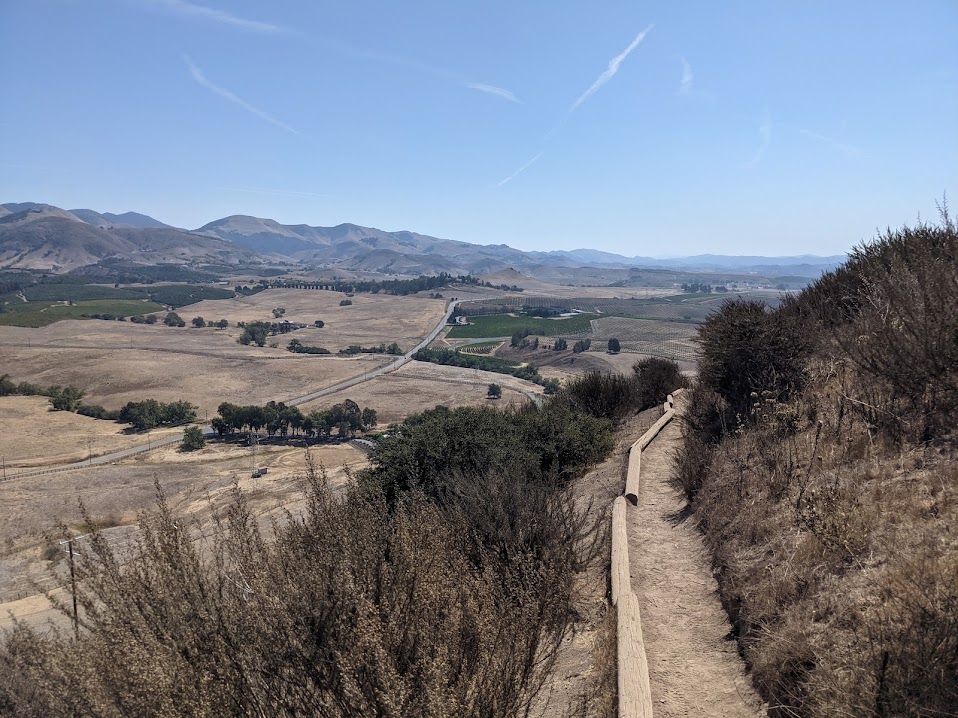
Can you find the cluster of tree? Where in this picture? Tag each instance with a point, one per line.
(257, 332)
(248, 291)
(402, 287)
(278, 312)
(193, 439)
(62, 398)
(140, 319)
(148, 414)
(319, 324)
(107, 316)
(172, 319)
(560, 345)
(697, 287)
(346, 303)
(199, 322)
(278, 419)
(581, 346)
(297, 347)
(518, 335)
(450, 357)
(430, 451)
(393, 349)
(541, 312)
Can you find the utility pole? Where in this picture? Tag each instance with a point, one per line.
(4, 468)
(73, 584)
(89, 448)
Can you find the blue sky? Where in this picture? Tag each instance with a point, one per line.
(637, 127)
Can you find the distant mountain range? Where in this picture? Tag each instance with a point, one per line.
(41, 236)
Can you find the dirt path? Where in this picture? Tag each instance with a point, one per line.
(694, 668)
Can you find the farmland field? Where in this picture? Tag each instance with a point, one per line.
(503, 325)
(43, 313)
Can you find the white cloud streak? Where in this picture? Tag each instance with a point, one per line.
(687, 77)
(850, 150)
(522, 169)
(611, 70)
(191, 10)
(493, 90)
(765, 139)
(236, 100)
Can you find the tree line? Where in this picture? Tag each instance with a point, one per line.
(281, 420)
(401, 287)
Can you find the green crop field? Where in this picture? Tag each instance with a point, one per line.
(40, 314)
(503, 325)
(79, 293)
(179, 295)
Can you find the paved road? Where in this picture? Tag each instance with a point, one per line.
(133, 450)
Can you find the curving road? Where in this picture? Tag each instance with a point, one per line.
(133, 450)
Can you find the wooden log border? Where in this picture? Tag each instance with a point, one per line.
(632, 678)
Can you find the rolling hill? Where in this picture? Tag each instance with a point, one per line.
(41, 236)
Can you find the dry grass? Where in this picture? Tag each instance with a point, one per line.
(372, 318)
(419, 386)
(32, 508)
(33, 435)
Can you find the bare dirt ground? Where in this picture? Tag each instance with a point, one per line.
(694, 667)
(419, 386)
(33, 435)
(536, 287)
(195, 483)
(583, 680)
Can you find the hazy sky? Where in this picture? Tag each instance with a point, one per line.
(651, 128)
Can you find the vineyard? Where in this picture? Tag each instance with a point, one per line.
(687, 310)
(671, 340)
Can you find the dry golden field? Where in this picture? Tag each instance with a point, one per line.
(31, 435)
(196, 483)
(372, 318)
(419, 386)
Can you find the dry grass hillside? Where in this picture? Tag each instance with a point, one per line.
(820, 457)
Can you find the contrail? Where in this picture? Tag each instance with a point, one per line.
(687, 77)
(493, 90)
(613, 68)
(188, 9)
(522, 169)
(226, 94)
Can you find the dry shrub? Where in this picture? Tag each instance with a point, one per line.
(350, 610)
(604, 396)
(657, 379)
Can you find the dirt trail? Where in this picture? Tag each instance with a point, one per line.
(694, 668)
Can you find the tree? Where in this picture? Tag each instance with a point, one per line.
(369, 418)
(151, 319)
(582, 346)
(65, 398)
(495, 391)
(346, 302)
(319, 324)
(222, 324)
(560, 344)
(193, 439)
(614, 346)
(199, 322)
(746, 350)
(173, 320)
